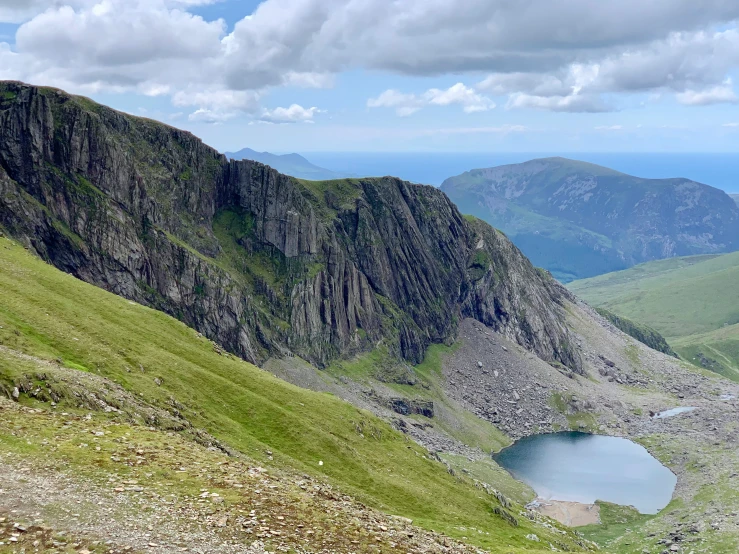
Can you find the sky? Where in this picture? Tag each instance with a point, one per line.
(397, 75)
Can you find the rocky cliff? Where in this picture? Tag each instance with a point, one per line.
(579, 220)
(262, 263)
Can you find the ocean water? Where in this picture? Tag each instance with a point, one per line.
(432, 168)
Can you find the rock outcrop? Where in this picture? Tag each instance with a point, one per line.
(262, 263)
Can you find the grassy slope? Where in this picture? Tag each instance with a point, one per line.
(449, 417)
(692, 301)
(48, 314)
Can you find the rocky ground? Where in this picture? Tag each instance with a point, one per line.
(144, 490)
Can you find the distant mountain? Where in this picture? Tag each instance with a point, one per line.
(579, 220)
(735, 197)
(294, 165)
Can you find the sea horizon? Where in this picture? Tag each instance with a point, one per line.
(718, 169)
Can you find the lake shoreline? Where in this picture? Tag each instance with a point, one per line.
(572, 514)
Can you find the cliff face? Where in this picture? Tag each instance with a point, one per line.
(579, 220)
(262, 263)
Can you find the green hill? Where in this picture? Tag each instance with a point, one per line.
(692, 301)
(56, 329)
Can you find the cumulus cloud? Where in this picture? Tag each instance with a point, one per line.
(217, 106)
(406, 104)
(570, 103)
(561, 55)
(721, 94)
(437, 36)
(294, 114)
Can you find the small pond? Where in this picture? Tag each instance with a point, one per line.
(579, 467)
(674, 411)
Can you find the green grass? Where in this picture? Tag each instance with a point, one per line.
(51, 315)
(642, 333)
(693, 302)
(426, 379)
(333, 195)
(487, 471)
(615, 520)
(677, 297)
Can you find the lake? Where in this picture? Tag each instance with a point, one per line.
(579, 467)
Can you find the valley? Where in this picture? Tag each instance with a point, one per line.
(692, 301)
(244, 360)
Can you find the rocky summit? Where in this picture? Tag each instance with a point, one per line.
(579, 220)
(260, 262)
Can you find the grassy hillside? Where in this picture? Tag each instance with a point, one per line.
(642, 333)
(84, 330)
(693, 302)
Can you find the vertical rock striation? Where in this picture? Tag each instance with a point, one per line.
(262, 263)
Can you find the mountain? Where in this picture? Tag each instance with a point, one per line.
(263, 263)
(735, 197)
(580, 220)
(693, 302)
(399, 343)
(294, 165)
(134, 376)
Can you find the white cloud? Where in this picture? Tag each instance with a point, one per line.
(609, 128)
(430, 37)
(119, 34)
(569, 103)
(560, 55)
(217, 106)
(721, 94)
(731, 125)
(407, 104)
(459, 94)
(404, 104)
(294, 114)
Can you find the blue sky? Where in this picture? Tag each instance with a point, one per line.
(386, 75)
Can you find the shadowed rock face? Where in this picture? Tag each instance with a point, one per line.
(262, 263)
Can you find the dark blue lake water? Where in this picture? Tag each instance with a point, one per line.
(578, 467)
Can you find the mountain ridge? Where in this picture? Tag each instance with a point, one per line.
(579, 219)
(263, 263)
(293, 164)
